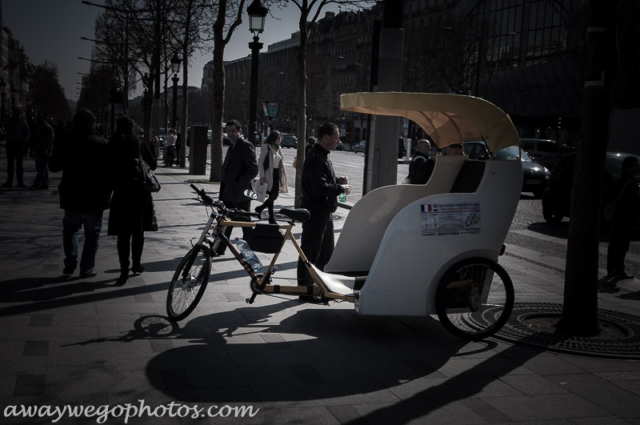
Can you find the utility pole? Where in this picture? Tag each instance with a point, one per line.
(382, 151)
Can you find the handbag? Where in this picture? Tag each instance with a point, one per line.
(145, 179)
(250, 192)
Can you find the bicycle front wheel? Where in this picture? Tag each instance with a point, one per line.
(188, 283)
(474, 299)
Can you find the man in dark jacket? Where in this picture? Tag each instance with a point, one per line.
(320, 190)
(421, 166)
(18, 135)
(240, 166)
(85, 190)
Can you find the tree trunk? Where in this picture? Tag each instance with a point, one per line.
(302, 107)
(184, 109)
(580, 313)
(217, 93)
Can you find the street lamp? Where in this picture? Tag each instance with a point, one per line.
(257, 14)
(175, 67)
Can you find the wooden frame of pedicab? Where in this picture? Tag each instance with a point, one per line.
(384, 241)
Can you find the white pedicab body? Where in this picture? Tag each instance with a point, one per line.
(405, 238)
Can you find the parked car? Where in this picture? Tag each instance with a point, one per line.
(289, 141)
(545, 152)
(360, 146)
(535, 177)
(556, 199)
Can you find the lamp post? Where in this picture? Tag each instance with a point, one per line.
(175, 67)
(257, 14)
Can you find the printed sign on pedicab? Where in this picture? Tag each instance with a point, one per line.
(450, 219)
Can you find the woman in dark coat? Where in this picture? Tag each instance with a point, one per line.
(129, 205)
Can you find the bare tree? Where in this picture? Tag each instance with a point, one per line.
(309, 12)
(191, 31)
(231, 11)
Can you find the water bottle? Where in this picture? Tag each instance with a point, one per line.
(342, 198)
(248, 254)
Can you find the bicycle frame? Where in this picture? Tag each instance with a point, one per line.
(261, 281)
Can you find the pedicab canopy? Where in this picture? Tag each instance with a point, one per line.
(446, 118)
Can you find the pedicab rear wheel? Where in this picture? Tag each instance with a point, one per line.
(188, 283)
(474, 299)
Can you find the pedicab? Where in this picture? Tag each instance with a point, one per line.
(404, 250)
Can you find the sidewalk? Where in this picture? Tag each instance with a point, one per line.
(87, 342)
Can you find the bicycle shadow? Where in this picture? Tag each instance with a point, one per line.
(284, 355)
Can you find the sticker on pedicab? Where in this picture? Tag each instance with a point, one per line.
(450, 219)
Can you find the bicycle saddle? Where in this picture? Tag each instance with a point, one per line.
(298, 214)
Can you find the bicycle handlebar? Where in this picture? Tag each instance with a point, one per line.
(207, 200)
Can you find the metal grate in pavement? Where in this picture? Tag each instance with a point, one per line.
(624, 344)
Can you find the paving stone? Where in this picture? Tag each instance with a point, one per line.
(29, 385)
(601, 393)
(533, 384)
(544, 407)
(41, 320)
(36, 348)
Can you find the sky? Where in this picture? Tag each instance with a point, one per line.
(51, 29)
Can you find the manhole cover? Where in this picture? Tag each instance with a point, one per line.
(531, 324)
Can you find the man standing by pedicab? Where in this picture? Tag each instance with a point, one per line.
(240, 166)
(320, 190)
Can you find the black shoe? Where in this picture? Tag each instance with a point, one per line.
(623, 276)
(137, 269)
(272, 220)
(34, 188)
(21, 185)
(7, 184)
(259, 210)
(124, 277)
(68, 270)
(90, 274)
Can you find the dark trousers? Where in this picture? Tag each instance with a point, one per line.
(317, 244)
(130, 244)
(244, 204)
(42, 178)
(273, 194)
(15, 156)
(618, 247)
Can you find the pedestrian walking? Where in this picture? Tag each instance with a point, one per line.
(18, 135)
(42, 149)
(85, 190)
(238, 169)
(130, 205)
(421, 165)
(178, 158)
(624, 220)
(320, 190)
(272, 172)
(170, 148)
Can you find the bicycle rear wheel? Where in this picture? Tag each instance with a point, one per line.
(474, 299)
(188, 283)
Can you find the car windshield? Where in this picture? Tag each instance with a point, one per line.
(511, 153)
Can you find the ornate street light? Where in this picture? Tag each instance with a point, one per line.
(175, 67)
(257, 14)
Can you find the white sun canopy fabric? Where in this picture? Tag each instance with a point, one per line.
(446, 118)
